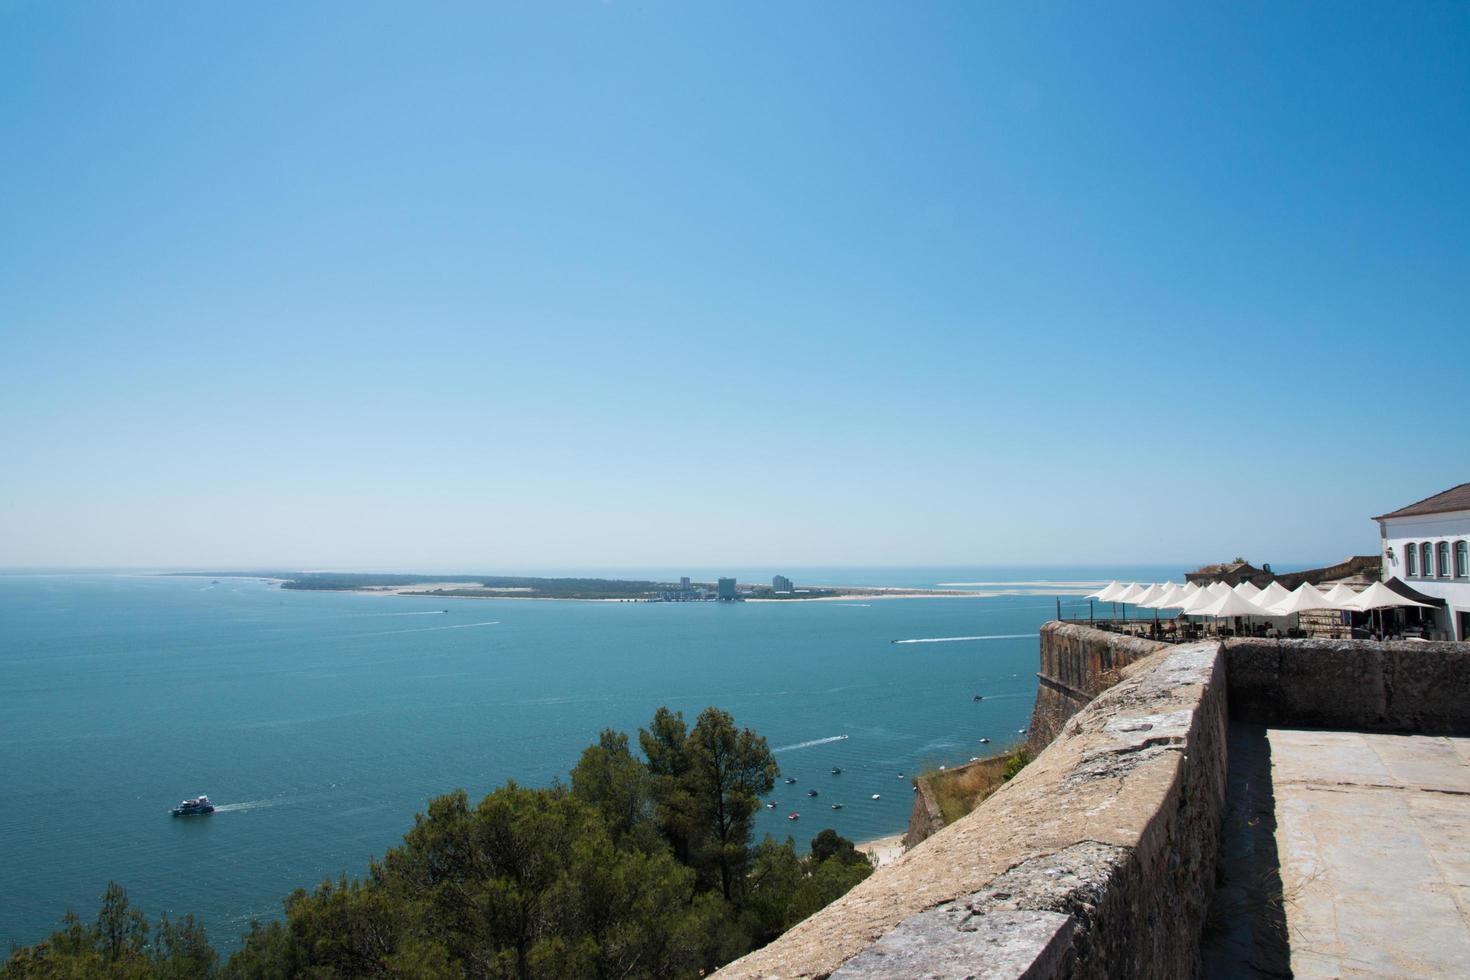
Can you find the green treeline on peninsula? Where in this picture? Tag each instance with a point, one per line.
(640, 868)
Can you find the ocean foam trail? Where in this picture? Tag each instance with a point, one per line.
(247, 805)
(815, 741)
(960, 639)
(429, 629)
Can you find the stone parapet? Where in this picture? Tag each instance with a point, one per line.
(1096, 860)
(1402, 686)
(1077, 663)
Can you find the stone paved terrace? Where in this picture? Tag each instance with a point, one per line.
(1373, 833)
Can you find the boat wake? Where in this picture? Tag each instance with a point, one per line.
(421, 612)
(962, 639)
(430, 629)
(241, 807)
(815, 741)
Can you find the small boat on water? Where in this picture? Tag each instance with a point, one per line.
(811, 792)
(979, 698)
(771, 805)
(837, 806)
(877, 797)
(985, 741)
(188, 808)
(836, 770)
(790, 780)
(793, 815)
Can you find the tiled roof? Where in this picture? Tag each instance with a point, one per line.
(1455, 498)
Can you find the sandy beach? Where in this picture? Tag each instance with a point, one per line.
(884, 850)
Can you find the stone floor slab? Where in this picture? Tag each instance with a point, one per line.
(1373, 834)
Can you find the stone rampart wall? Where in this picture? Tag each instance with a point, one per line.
(1400, 686)
(1097, 860)
(1077, 664)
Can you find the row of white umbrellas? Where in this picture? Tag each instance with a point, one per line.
(1220, 600)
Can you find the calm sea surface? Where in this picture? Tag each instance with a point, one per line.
(320, 723)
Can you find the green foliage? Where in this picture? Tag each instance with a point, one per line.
(1015, 763)
(728, 770)
(642, 869)
(119, 945)
(786, 888)
(610, 779)
(829, 844)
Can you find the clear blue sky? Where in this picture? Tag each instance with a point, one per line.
(512, 285)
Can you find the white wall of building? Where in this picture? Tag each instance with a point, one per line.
(1400, 532)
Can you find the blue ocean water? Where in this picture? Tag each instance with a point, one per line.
(322, 722)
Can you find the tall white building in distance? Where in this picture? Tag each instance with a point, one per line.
(780, 584)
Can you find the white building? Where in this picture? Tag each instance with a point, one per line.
(1427, 545)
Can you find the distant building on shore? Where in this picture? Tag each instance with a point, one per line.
(1231, 573)
(727, 590)
(781, 584)
(1427, 545)
(684, 584)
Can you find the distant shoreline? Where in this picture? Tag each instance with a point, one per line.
(611, 590)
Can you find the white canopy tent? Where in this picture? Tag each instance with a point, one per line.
(1380, 596)
(1193, 604)
(1148, 595)
(1341, 597)
(1129, 594)
(1246, 590)
(1168, 597)
(1217, 589)
(1106, 593)
(1271, 595)
(1229, 605)
(1306, 597)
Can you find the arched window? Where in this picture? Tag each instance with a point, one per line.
(1426, 560)
(1411, 559)
(1462, 559)
(1443, 549)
